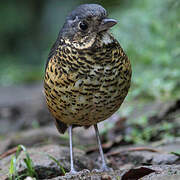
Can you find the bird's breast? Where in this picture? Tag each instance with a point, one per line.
(84, 88)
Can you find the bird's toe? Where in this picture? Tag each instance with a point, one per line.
(103, 169)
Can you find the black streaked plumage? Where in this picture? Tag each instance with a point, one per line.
(87, 74)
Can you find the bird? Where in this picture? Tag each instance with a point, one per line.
(87, 74)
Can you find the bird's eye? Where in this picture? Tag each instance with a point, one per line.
(83, 25)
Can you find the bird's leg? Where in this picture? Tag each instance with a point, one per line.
(104, 166)
(72, 171)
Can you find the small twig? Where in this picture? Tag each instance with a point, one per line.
(9, 152)
(131, 150)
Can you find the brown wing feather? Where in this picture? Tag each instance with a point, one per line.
(60, 126)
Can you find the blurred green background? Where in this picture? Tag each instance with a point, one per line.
(148, 30)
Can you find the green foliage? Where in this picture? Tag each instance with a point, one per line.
(176, 153)
(14, 73)
(13, 169)
(29, 165)
(142, 132)
(58, 164)
(16, 162)
(14, 165)
(149, 31)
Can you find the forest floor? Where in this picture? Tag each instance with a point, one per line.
(25, 120)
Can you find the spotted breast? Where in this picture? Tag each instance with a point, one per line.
(84, 87)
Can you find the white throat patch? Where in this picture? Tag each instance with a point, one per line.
(106, 39)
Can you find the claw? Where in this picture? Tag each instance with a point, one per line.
(103, 169)
(106, 169)
(73, 173)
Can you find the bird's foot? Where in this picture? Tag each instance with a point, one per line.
(85, 171)
(74, 172)
(104, 168)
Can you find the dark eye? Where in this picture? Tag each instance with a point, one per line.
(83, 25)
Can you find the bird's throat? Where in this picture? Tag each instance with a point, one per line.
(88, 42)
(85, 42)
(106, 38)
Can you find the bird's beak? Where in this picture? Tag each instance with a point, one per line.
(107, 24)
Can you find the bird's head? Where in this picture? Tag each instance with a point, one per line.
(84, 24)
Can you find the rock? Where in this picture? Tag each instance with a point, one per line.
(137, 158)
(155, 172)
(30, 178)
(115, 175)
(46, 167)
(47, 135)
(24, 110)
(165, 177)
(33, 137)
(164, 172)
(154, 158)
(159, 153)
